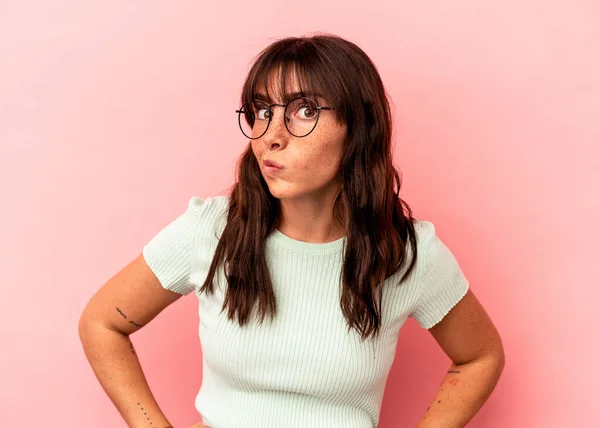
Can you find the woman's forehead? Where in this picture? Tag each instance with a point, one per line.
(292, 91)
(274, 89)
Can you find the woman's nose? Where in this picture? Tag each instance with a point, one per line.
(277, 132)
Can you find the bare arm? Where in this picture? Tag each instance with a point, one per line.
(470, 339)
(127, 302)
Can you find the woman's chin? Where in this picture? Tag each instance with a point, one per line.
(279, 193)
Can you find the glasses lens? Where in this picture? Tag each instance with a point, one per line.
(254, 119)
(301, 116)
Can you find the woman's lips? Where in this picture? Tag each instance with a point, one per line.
(268, 162)
(271, 167)
(269, 170)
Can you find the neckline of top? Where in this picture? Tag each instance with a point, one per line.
(283, 241)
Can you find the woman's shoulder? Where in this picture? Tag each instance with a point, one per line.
(208, 205)
(209, 210)
(424, 231)
(428, 239)
(196, 202)
(431, 245)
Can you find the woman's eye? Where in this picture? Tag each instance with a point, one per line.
(262, 114)
(306, 112)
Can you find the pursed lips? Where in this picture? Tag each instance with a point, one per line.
(271, 167)
(270, 163)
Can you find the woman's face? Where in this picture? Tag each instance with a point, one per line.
(311, 163)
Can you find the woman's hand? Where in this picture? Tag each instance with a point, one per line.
(200, 425)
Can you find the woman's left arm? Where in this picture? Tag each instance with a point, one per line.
(469, 338)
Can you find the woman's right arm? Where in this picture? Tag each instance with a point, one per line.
(122, 306)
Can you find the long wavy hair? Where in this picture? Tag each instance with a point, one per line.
(367, 203)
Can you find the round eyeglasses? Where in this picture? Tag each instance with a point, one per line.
(300, 117)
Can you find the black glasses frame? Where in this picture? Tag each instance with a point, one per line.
(270, 107)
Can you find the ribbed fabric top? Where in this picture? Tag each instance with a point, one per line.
(304, 368)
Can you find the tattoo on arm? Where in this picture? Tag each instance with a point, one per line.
(130, 322)
(148, 419)
(455, 380)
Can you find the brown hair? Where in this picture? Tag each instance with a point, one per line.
(367, 203)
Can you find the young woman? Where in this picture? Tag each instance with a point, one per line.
(306, 271)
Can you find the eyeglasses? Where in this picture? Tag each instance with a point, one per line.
(300, 117)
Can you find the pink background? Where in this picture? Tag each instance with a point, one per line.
(112, 114)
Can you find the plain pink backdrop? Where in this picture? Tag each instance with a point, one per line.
(112, 114)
